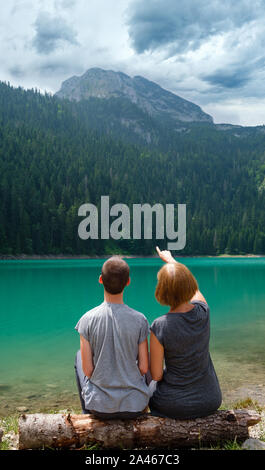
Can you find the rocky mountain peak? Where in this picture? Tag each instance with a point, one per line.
(147, 95)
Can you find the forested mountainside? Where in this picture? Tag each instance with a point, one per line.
(53, 158)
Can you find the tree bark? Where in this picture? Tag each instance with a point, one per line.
(63, 431)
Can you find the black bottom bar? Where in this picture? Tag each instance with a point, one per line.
(173, 458)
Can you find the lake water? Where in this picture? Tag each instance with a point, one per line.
(41, 302)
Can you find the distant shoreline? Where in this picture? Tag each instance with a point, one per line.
(80, 257)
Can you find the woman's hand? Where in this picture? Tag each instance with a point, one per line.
(165, 255)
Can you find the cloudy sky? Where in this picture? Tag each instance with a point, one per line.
(211, 52)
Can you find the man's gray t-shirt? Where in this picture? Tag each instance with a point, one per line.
(114, 332)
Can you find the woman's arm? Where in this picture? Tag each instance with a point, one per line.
(86, 356)
(143, 360)
(156, 358)
(166, 256)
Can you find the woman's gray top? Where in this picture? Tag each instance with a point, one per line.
(189, 387)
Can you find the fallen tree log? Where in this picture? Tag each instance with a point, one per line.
(63, 431)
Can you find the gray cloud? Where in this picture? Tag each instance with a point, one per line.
(16, 71)
(228, 80)
(59, 67)
(67, 3)
(51, 32)
(235, 75)
(185, 24)
(208, 52)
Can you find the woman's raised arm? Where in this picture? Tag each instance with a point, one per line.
(166, 256)
(198, 296)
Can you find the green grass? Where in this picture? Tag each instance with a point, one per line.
(8, 424)
(92, 447)
(248, 403)
(227, 445)
(4, 445)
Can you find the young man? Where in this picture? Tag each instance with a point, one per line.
(113, 356)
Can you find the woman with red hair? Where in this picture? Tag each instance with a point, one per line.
(187, 387)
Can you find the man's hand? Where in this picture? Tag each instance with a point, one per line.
(165, 255)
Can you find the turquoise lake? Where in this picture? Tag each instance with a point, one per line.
(41, 302)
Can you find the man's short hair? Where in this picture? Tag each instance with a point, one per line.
(115, 274)
(176, 285)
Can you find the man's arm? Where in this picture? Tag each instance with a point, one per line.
(86, 356)
(143, 360)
